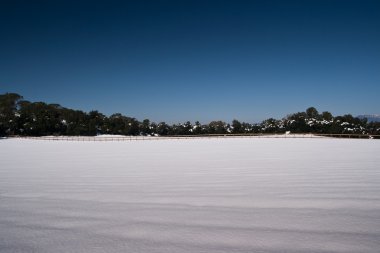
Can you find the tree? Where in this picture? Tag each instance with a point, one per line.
(236, 127)
(120, 124)
(311, 112)
(21, 117)
(96, 123)
(76, 122)
(182, 129)
(217, 127)
(296, 123)
(163, 129)
(327, 116)
(197, 129)
(145, 127)
(39, 119)
(246, 127)
(270, 125)
(9, 103)
(153, 128)
(132, 126)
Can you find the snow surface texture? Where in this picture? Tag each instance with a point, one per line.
(194, 195)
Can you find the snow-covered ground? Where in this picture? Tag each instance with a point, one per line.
(109, 137)
(191, 195)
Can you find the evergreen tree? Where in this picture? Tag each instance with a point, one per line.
(163, 129)
(327, 116)
(311, 112)
(9, 103)
(197, 129)
(21, 117)
(145, 127)
(217, 127)
(96, 123)
(236, 127)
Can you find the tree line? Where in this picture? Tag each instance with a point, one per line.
(25, 118)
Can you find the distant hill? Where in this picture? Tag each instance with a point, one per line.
(370, 118)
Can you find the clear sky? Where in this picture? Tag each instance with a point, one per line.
(194, 60)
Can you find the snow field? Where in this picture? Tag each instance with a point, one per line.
(191, 195)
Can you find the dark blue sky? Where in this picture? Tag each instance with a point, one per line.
(194, 60)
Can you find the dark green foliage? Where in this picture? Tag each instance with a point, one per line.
(296, 123)
(198, 129)
(21, 117)
(163, 129)
(327, 116)
(182, 129)
(272, 126)
(237, 127)
(217, 127)
(120, 124)
(374, 128)
(311, 112)
(9, 103)
(96, 123)
(145, 127)
(38, 119)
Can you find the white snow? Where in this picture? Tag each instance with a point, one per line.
(190, 195)
(109, 136)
